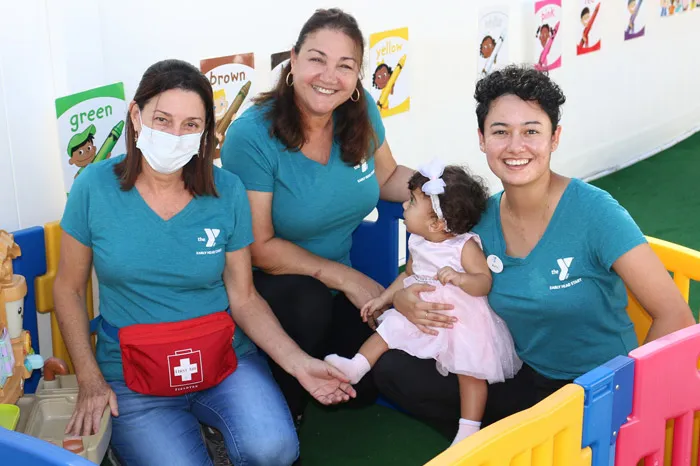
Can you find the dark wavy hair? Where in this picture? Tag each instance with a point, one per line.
(162, 76)
(352, 127)
(464, 199)
(525, 82)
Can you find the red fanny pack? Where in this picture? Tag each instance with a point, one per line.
(176, 358)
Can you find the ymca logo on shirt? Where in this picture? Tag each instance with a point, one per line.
(211, 233)
(563, 273)
(363, 167)
(210, 241)
(564, 265)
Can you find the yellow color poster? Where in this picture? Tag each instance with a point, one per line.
(389, 87)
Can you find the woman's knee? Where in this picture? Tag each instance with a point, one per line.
(388, 370)
(296, 294)
(275, 448)
(310, 297)
(302, 304)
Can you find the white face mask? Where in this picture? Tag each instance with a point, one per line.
(165, 152)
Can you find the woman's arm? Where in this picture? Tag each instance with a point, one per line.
(254, 316)
(69, 294)
(392, 178)
(647, 279)
(277, 256)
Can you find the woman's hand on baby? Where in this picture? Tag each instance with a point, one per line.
(449, 275)
(360, 289)
(423, 314)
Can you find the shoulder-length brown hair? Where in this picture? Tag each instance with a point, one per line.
(352, 126)
(198, 174)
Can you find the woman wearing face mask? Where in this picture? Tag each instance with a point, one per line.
(168, 235)
(313, 157)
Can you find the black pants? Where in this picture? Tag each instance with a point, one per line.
(416, 386)
(320, 323)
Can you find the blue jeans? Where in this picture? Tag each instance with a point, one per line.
(247, 408)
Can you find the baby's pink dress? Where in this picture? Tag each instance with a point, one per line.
(479, 344)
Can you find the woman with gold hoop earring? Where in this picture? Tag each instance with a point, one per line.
(313, 157)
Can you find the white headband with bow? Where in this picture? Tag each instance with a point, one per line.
(435, 185)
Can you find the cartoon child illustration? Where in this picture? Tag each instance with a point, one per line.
(381, 76)
(489, 49)
(81, 148)
(585, 18)
(546, 34)
(633, 7)
(487, 45)
(220, 103)
(664, 7)
(543, 33)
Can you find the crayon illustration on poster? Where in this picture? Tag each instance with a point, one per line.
(590, 27)
(231, 78)
(90, 127)
(389, 87)
(635, 24)
(547, 41)
(277, 62)
(492, 40)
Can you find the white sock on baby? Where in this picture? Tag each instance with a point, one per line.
(354, 369)
(466, 428)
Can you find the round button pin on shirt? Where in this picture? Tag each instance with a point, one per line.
(495, 264)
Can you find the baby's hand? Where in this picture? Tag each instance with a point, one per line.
(372, 310)
(449, 275)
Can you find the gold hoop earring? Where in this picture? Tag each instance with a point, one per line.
(353, 95)
(136, 137)
(286, 80)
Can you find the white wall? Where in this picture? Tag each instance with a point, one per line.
(625, 102)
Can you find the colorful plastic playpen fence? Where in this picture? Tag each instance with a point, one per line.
(635, 409)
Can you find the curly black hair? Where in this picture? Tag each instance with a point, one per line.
(525, 82)
(464, 199)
